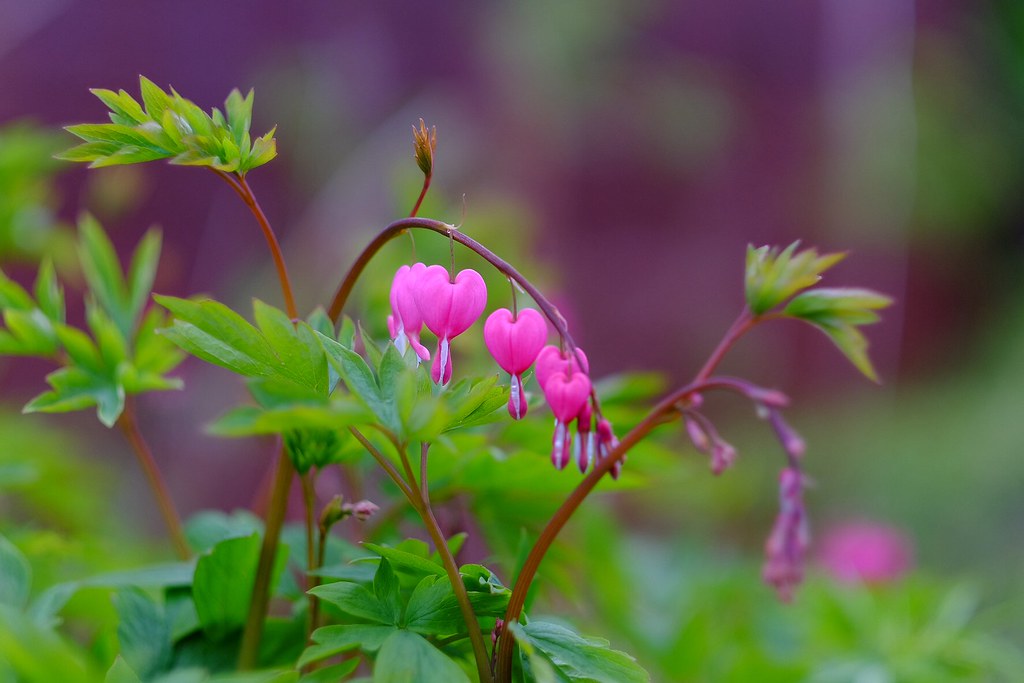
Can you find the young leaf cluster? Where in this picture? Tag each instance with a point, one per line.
(293, 370)
(407, 617)
(774, 277)
(116, 355)
(168, 126)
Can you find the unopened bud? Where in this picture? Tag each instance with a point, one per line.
(333, 512)
(722, 456)
(697, 435)
(362, 510)
(424, 146)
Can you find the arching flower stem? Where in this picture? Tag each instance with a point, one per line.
(662, 412)
(451, 232)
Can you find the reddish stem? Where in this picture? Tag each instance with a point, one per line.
(130, 427)
(250, 648)
(423, 193)
(239, 185)
(702, 382)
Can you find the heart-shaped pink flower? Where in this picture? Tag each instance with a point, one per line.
(448, 309)
(515, 342)
(567, 396)
(405, 320)
(551, 361)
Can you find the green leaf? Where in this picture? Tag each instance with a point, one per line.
(122, 105)
(357, 600)
(207, 528)
(406, 563)
(838, 313)
(49, 293)
(386, 588)
(13, 295)
(121, 672)
(432, 608)
(143, 632)
(103, 272)
(359, 379)
(579, 658)
(301, 355)
(223, 583)
(331, 674)
(75, 389)
(252, 420)
(773, 276)
(333, 640)
(212, 331)
(15, 575)
(154, 98)
(32, 331)
(406, 656)
(142, 271)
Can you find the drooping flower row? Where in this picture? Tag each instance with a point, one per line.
(429, 295)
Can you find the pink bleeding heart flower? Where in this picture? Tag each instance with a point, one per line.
(448, 309)
(551, 360)
(566, 394)
(405, 321)
(866, 552)
(515, 341)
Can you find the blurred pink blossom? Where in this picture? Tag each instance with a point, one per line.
(866, 552)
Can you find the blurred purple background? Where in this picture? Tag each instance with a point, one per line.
(638, 145)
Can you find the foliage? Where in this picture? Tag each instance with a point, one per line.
(396, 607)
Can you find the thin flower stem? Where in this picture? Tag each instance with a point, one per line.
(250, 648)
(657, 416)
(424, 489)
(309, 501)
(420, 502)
(239, 185)
(130, 427)
(385, 464)
(423, 193)
(483, 664)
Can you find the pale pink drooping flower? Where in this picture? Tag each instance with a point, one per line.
(405, 321)
(790, 536)
(515, 341)
(448, 309)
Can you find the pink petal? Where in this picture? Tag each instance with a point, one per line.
(448, 309)
(550, 361)
(567, 395)
(515, 343)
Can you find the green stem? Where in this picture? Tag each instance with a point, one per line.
(657, 416)
(250, 648)
(420, 501)
(309, 502)
(130, 427)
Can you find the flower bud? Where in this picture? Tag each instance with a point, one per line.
(424, 146)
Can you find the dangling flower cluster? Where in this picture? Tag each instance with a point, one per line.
(427, 295)
(422, 295)
(515, 339)
(787, 544)
(563, 378)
